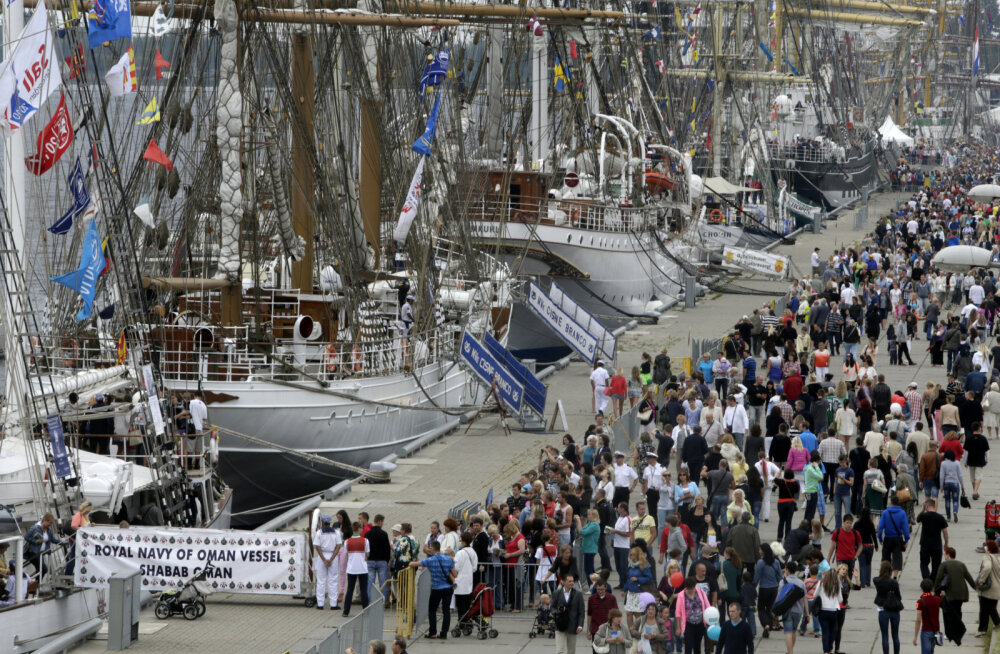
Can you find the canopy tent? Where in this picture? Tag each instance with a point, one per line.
(960, 258)
(722, 186)
(890, 133)
(984, 192)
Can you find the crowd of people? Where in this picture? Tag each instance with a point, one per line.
(661, 543)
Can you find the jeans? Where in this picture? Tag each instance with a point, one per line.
(828, 623)
(602, 550)
(361, 581)
(440, 597)
(927, 642)
(722, 388)
(889, 620)
(852, 349)
(588, 565)
(930, 560)
(765, 600)
(718, 508)
(786, 510)
(812, 500)
(951, 494)
(738, 439)
(930, 487)
(378, 578)
(621, 564)
(755, 413)
(494, 578)
(841, 505)
(865, 565)
(755, 508)
(929, 326)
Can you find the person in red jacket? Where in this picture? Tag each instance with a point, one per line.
(792, 387)
(618, 388)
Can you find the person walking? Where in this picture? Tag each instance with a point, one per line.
(466, 564)
(830, 598)
(956, 593)
(599, 607)
(988, 587)
(928, 618)
(690, 612)
(894, 534)
(977, 454)
(933, 528)
(736, 635)
(326, 545)
(613, 635)
(766, 577)
(568, 613)
(889, 602)
(845, 546)
(443, 575)
(621, 536)
(952, 483)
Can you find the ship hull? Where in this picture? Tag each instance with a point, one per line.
(616, 276)
(352, 421)
(830, 184)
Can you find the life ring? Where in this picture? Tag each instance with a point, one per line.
(357, 358)
(71, 352)
(715, 216)
(331, 358)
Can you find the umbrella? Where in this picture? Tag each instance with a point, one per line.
(645, 599)
(984, 192)
(960, 258)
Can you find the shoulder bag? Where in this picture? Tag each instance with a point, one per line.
(605, 648)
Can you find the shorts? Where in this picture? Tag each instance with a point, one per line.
(892, 550)
(974, 473)
(790, 621)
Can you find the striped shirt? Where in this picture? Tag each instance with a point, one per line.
(830, 450)
(787, 411)
(916, 402)
(749, 371)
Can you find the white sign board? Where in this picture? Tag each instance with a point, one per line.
(606, 341)
(562, 323)
(715, 236)
(167, 557)
(154, 400)
(763, 262)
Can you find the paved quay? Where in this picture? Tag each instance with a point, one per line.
(465, 466)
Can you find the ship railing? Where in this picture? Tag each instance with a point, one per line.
(578, 214)
(223, 354)
(807, 154)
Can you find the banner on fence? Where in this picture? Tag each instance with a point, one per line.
(763, 262)
(166, 557)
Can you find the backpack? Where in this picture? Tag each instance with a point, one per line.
(663, 416)
(788, 596)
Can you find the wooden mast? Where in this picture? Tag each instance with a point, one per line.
(303, 196)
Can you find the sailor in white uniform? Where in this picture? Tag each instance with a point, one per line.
(326, 544)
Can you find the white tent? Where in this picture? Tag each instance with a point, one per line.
(722, 186)
(890, 133)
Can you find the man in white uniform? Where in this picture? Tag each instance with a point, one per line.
(652, 481)
(768, 472)
(326, 544)
(625, 480)
(599, 381)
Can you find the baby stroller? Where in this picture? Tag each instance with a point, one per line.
(479, 616)
(189, 601)
(543, 624)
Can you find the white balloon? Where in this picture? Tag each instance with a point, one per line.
(711, 615)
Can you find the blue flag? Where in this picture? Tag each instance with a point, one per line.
(767, 53)
(83, 280)
(795, 71)
(423, 144)
(109, 20)
(81, 200)
(435, 71)
(489, 497)
(652, 34)
(561, 75)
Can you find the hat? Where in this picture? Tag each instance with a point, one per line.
(653, 455)
(410, 297)
(913, 384)
(99, 397)
(397, 527)
(746, 317)
(525, 488)
(600, 362)
(326, 519)
(619, 454)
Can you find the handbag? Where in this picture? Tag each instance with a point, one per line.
(985, 581)
(606, 647)
(903, 495)
(964, 501)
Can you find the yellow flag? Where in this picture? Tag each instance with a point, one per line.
(74, 13)
(150, 115)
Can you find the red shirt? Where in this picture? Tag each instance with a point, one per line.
(793, 388)
(511, 548)
(356, 544)
(928, 605)
(619, 385)
(847, 543)
(953, 445)
(598, 609)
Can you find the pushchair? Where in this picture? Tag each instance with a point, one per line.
(479, 617)
(189, 601)
(543, 624)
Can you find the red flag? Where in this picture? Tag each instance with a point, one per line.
(53, 141)
(160, 63)
(572, 49)
(76, 63)
(154, 154)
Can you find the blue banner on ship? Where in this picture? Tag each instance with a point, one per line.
(488, 369)
(607, 342)
(568, 329)
(534, 390)
(59, 453)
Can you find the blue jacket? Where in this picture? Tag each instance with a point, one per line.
(894, 523)
(34, 539)
(767, 576)
(643, 576)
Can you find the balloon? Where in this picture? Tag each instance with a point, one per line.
(714, 632)
(677, 580)
(645, 599)
(711, 615)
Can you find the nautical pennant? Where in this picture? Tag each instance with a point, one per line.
(652, 34)
(423, 144)
(75, 62)
(109, 20)
(81, 200)
(53, 141)
(159, 63)
(150, 115)
(121, 78)
(975, 53)
(409, 211)
(435, 71)
(158, 23)
(145, 214)
(154, 154)
(83, 280)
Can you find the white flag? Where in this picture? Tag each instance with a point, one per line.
(409, 210)
(121, 78)
(31, 73)
(159, 24)
(145, 215)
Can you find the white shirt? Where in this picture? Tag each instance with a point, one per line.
(847, 294)
(357, 562)
(199, 413)
(327, 541)
(773, 472)
(624, 476)
(624, 523)
(599, 377)
(736, 419)
(466, 562)
(653, 476)
(977, 294)
(814, 259)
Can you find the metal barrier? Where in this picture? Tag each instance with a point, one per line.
(404, 589)
(700, 346)
(356, 633)
(463, 511)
